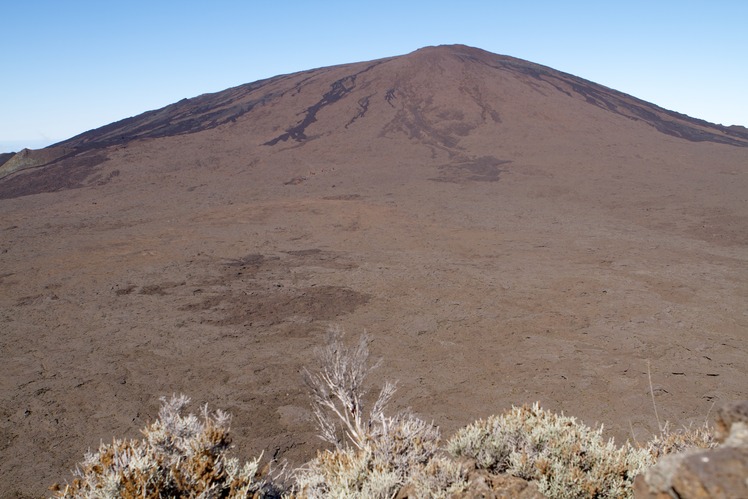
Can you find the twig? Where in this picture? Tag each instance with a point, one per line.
(654, 404)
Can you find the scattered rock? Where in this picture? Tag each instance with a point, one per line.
(483, 484)
(715, 473)
(729, 420)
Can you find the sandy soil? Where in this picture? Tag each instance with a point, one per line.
(553, 263)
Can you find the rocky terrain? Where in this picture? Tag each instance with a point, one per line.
(505, 232)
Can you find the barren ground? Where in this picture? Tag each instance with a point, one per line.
(190, 265)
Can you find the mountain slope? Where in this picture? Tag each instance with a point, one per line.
(505, 232)
(460, 65)
(440, 97)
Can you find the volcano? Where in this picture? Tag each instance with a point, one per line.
(504, 231)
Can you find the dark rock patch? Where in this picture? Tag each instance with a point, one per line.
(67, 173)
(338, 90)
(266, 308)
(483, 169)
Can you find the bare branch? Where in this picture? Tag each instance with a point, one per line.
(338, 392)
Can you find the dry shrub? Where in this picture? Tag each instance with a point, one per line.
(375, 454)
(565, 458)
(675, 441)
(180, 456)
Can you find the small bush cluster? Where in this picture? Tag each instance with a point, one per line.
(675, 441)
(180, 456)
(374, 455)
(373, 473)
(565, 458)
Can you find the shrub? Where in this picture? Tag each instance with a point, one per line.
(180, 456)
(375, 455)
(565, 458)
(386, 452)
(407, 453)
(675, 441)
(338, 392)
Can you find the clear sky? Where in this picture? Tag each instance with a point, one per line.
(73, 65)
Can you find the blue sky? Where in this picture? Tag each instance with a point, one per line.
(72, 65)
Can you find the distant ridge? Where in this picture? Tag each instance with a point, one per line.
(212, 110)
(437, 97)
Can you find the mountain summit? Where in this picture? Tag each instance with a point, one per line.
(437, 95)
(456, 101)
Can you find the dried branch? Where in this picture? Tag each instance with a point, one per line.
(338, 390)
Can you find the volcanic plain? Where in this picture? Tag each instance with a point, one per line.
(505, 233)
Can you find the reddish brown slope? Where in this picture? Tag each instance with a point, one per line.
(505, 232)
(394, 82)
(438, 96)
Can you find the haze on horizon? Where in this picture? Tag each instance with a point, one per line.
(75, 66)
